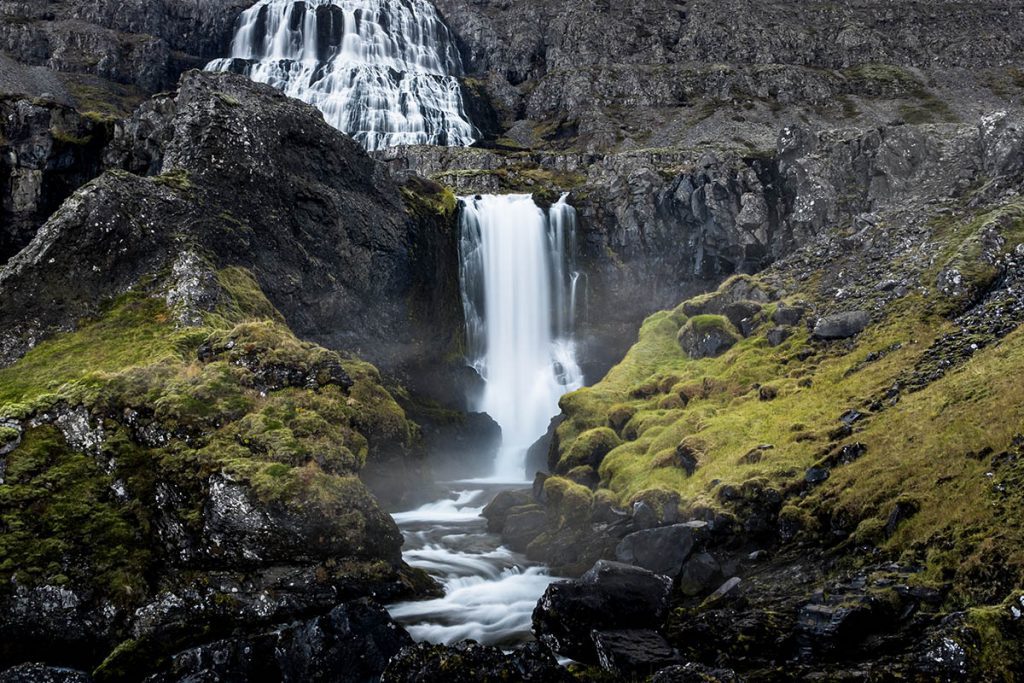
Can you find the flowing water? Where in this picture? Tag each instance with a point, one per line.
(518, 291)
(385, 72)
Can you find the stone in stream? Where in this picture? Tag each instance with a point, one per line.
(611, 596)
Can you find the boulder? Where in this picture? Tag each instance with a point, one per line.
(633, 652)
(354, 642)
(523, 525)
(787, 316)
(497, 511)
(608, 597)
(778, 336)
(699, 574)
(662, 550)
(841, 325)
(707, 336)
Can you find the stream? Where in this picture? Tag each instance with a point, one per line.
(489, 591)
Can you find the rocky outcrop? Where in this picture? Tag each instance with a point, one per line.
(47, 151)
(237, 171)
(147, 44)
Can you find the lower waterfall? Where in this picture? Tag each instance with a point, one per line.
(518, 298)
(519, 288)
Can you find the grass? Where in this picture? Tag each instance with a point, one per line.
(212, 399)
(918, 452)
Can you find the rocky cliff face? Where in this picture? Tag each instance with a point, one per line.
(241, 175)
(146, 44)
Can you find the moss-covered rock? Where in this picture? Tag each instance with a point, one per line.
(147, 462)
(707, 336)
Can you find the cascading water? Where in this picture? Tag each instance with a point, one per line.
(384, 71)
(518, 298)
(519, 292)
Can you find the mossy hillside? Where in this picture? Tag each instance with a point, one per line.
(921, 453)
(293, 421)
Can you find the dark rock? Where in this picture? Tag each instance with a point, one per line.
(694, 673)
(706, 342)
(787, 316)
(350, 268)
(699, 574)
(609, 596)
(767, 393)
(523, 525)
(901, 512)
(662, 550)
(727, 590)
(460, 448)
(497, 511)
(633, 652)
(469, 662)
(644, 516)
(778, 336)
(816, 475)
(40, 673)
(842, 325)
(584, 476)
(851, 416)
(354, 642)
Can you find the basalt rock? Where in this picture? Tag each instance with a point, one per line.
(469, 662)
(609, 596)
(257, 180)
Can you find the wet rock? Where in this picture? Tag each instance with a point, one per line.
(662, 550)
(842, 325)
(523, 525)
(497, 511)
(609, 596)
(469, 662)
(584, 476)
(633, 652)
(816, 475)
(354, 642)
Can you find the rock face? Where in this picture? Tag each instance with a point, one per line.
(147, 44)
(47, 151)
(257, 181)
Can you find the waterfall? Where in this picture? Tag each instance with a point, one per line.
(383, 71)
(517, 291)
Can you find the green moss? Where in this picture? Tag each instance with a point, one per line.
(68, 138)
(568, 503)
(589, 449)
(132, 330)
(176, 179)
(62, 521)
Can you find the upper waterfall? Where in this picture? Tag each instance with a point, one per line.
(518, 296)
(383, 71)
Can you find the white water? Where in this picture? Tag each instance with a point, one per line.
(385, 72)
(519, 292)
(489, 591)
(518, 296)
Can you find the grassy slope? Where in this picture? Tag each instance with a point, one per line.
(61, 519)
(919, 451)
